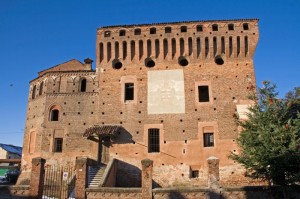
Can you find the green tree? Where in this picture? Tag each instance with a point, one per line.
(270, 138)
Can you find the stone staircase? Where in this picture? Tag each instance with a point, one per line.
(95, 175)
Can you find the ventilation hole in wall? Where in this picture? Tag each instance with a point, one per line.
(141, 102)
(121, 122)
(177, 34)
(254, 33)
(102, 122)
(233, 97)
(103, 113)
(83, 123)
(215, 98)
(73, 91)
(94, 82)
(185, 141)
(180, 120)
(232, 172)
(116, 153)
(236, 76)
(182, 61)
(216, 77)
(78, 102)
(200, 66)
(149, 62)
(183, 131)
(241, 31)
(198, 119)
(53, 84)
(92, 112)
(183, 151)
(209, 32)
(140, 112)
(196, 109)
(64, 103)
(108, 94)
(219, 60)
(237, 64)
(140, 68)
(229, 88)
(78, 113)
(124, 69)
(137, 132)
(191, 89)
(34, 116)
(234, 150)
(117, 64)
(140, 121)
(246, 64)
(121, 113)
(233, 140)
(69, 124)
(161, 121)
(226, 32)
(162, 164)
(113, 38)
(54, 91)
(102, 103)
(215, 109)
(161, 35)
(64, 113)
(141, 79)
(93, 90)
(165, 141)
(167, 67)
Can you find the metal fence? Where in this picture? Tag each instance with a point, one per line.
(59, 183)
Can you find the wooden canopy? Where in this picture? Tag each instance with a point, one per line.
(98, 131)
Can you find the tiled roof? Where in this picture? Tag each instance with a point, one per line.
(12, 149)
(102, 130)
(179, 22)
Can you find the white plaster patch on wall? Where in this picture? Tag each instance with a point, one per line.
(166, 92)
(243, 110)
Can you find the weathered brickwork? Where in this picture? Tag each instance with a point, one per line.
(174, 88)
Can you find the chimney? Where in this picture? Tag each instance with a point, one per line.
(88, 63)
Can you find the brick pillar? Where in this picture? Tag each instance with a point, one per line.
(37, 178)
(147, 166)
(213, 173)
(81, 177)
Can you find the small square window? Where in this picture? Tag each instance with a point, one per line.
(199, 28)
(208, 139)
(58, 143)
(230, 26)
(245, 26)
(195, 174)
(137, 31)
(107, 34)
(215, 27)
(152, 30)
(203, 94)
(183, 29)
(122, 33)
(168, 29)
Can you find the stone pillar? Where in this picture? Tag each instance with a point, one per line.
(37, 178)
(147, 166)
(81, 177)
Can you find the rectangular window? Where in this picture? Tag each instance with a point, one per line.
(208, 139)
(153, 140)
(195, 174)
(203, 94)
(58, 143)
(129, 91)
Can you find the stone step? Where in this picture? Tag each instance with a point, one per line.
(95, 175)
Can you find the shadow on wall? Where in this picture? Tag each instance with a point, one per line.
(128, 175)
(123, 137)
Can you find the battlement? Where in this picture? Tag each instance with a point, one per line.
(183, 43)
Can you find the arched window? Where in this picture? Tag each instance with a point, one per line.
(41, 88)
(33, 92)
(83, 85)
(54, 114)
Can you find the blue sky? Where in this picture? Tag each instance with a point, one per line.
(38, 34)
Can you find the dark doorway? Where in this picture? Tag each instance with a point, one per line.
(103, 150)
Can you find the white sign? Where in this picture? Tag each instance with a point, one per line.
(65, 176)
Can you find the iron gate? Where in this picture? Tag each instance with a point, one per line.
(59, 183)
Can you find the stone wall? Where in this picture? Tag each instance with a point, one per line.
(14, 192)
